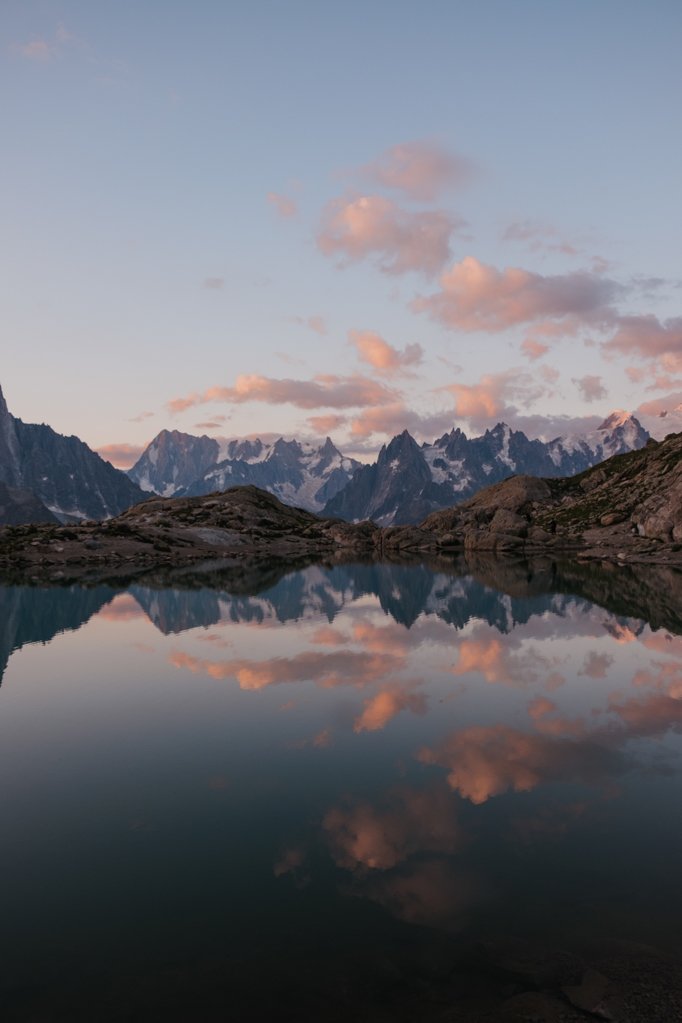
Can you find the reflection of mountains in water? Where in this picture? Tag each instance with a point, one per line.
(405, 592)
(504, 594)
(31, 614)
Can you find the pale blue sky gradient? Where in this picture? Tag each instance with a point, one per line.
(141, 140)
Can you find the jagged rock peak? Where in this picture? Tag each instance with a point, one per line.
(619, 417)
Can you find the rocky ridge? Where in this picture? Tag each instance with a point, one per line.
(628, 508)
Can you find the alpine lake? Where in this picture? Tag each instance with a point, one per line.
(446, 791)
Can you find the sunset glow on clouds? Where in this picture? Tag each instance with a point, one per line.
(421, 170)
(400, 240)
(387, 214)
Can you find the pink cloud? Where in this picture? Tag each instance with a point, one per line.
(385, 705)
(285, 206)
(214, 283)
(323, 391)
(121, 455)
(377, 352)
(475, 297)
(371, 225)
(534, 349)
(591, 387)
(326, 424)
(366, 837)
(494, 396)
(649, 338)
(391, 419)
(341, 668)
(140, 418)
(485, 761)
(422, 170)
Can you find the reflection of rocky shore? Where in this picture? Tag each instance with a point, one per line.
(652, 593)
(503, 593)
(31, 614)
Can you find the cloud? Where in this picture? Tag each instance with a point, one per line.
(485, 761)
(649, 338)
(355, 228)
(590, 387)
(211, 424)
(121, 455)
(323, 391)
(123, 608)
(285, 206)
(494, 397)
(365, 837)
(422, 170)
(498, 663)
(140, 418)
(534, 349)
(432, 893)
(539, 237)
(326, 424)
(596, 665)
(386, 705)
(478, 297)
(340, 668)
(377, 352)
(315, 323)
(214, 283)
(389, 420)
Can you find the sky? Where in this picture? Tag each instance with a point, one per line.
(314, 219)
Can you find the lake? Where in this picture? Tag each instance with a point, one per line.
(363, 791)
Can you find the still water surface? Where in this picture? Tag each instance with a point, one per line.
(311, 792)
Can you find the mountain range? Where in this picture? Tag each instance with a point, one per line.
(181, 465)
(48, 475)
(407, 482)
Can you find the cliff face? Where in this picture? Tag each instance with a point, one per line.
(62, 474)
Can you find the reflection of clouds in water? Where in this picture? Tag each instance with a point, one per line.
(367, 837)
(433, 893)
(344, 668)
(396, 853)
(487, 760)
(499, 660)
(123, 608)
(596, 665)
(383, 707)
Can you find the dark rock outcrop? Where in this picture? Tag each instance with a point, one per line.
(63, 473)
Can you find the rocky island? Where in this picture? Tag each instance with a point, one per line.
(628, 508)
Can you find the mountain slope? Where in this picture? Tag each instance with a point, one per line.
(630, 504)
(63, 473)
(407, 481)
(300, 474)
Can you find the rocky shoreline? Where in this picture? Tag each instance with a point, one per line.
(627, 509)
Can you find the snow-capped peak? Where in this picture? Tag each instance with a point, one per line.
(619, 417)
